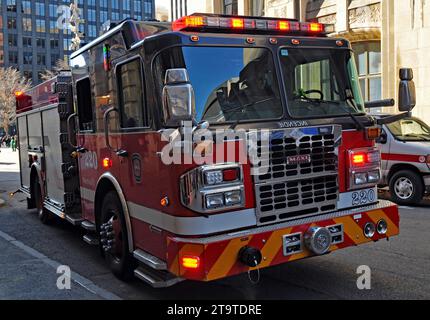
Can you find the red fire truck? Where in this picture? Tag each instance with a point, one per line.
(91, 147)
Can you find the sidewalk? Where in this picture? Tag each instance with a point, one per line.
(24, 272)
(9, 174)
(30, 276)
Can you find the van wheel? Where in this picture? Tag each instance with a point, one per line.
(406, 187)
(44, 215)
(113, 238)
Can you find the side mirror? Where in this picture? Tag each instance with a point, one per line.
(178, 98)
(383, 139)
(407, 94)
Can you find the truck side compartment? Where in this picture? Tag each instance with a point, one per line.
(45, 151)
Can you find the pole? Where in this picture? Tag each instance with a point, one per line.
(171, 9)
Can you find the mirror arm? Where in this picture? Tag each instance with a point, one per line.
(394, 118)
(380, 103)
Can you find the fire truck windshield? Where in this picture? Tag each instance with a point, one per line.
(234, 84)
(230, 84)
(320, 82)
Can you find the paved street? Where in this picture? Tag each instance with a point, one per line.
(31, 252)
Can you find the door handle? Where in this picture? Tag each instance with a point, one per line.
(106, 118)
(122, 153)
(69, 129)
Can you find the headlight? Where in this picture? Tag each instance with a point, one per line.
(213, 188)
(214, 201)
(382, 227)
(369, 230)
(360, 178)
(233, 197)
(374, 176)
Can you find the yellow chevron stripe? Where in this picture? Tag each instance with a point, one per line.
(352, 229)
(272, 246)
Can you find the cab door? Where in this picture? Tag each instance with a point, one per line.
(134, 130)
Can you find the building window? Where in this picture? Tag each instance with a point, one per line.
(230, 6)
(12, 40)
(13, 57)
(28, 58)
(40, 9)
(368, 58)
(26, 24)
(11, 5)
(26, 42)
(41, 60)
(53, 27)
(40, 25)
(54, 43)
(11, 23)
(40, 43)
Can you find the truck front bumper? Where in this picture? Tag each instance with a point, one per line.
(218, 256)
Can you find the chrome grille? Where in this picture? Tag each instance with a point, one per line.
(289, 190)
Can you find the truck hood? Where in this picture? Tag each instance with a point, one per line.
(411, 147)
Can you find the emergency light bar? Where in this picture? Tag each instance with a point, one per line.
(201, 22)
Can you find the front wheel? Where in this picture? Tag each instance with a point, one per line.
(114, 239)
(406, 187)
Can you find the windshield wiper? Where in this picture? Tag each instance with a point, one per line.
(242, 108)
(353, 105)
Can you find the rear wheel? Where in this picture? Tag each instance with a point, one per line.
(44, 215)
(113, 238)
(406, 187)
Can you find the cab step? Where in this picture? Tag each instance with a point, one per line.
(75, 220)
(150, 260)
(91, 239)
(88, 225)
(156, 278)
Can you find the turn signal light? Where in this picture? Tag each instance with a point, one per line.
(358, 159)
(107, 163)
(373, 133)
(190, 262)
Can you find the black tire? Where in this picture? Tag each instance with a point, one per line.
(118, 257)
(406, 187)
(44, 215)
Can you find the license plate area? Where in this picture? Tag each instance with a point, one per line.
(357, 198)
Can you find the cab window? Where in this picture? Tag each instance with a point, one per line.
(85, 106)
(131, 95)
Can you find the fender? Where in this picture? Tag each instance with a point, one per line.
(121, 196)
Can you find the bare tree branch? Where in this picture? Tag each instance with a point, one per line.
(60, 65)
(11, 81)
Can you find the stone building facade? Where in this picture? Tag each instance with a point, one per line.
(385, 34)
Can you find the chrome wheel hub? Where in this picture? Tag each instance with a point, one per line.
(403, 188)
